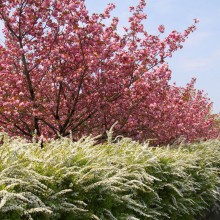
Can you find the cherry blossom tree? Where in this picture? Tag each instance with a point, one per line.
(63, 70)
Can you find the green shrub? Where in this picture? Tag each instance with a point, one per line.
(124, 180)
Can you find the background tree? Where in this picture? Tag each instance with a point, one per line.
(63, 70)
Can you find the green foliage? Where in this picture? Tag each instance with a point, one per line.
(124, 180)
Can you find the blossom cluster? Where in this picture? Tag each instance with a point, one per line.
(63, 70)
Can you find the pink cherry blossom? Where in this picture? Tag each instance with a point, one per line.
(161, 28)
(65, 71)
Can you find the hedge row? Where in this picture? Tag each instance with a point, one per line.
(124, 180)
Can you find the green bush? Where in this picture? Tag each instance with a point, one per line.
(124, 180)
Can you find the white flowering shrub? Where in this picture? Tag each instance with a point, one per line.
(124, 180)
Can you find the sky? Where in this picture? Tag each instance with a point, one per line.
(200, 56)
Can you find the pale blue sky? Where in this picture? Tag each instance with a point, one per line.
(200, 56)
